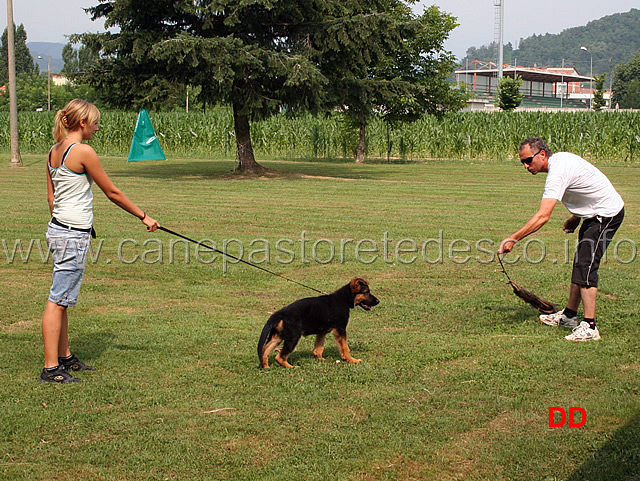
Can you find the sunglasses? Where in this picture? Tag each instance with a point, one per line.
(528, 160)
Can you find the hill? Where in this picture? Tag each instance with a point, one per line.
(44, 49)
(611, 40)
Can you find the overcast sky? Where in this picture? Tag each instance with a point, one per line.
(51, 20)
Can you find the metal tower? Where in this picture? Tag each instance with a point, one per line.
(498, 33)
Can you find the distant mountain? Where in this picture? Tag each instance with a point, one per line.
(610, 40)
(44, 49)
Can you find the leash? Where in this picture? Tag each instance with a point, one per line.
(169, 231)
(502, 266)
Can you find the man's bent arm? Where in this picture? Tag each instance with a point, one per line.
(539, 219)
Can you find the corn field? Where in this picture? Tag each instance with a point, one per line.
(602, 136)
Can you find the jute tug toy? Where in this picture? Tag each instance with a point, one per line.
(529, 297)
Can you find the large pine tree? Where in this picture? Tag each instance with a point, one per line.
(261, 56)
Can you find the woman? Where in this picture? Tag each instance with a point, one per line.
(71, 170)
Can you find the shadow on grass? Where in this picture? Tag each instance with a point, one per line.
(223, 170)
(515, 314)
(331, 353)
(91, 346)
(618, 459)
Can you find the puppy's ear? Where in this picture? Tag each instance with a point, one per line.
(359, 285)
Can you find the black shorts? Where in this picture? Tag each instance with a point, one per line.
(594, 238)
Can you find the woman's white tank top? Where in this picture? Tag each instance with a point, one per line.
(72, 195)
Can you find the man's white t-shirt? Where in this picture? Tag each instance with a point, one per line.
(583, 189)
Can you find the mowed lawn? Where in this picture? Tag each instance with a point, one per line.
(457, 374)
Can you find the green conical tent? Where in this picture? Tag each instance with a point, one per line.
(145, 144)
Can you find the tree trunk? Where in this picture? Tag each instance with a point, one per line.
(362, 145)
(246, 161)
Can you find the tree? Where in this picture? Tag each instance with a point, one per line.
(252, 55)
(70, 59)
(489, 53)
(77, 61)
(509, 95)
(260, 57)
(598, 97)
(23, 58)
(626, 84)
(385, 59)
(31, 93)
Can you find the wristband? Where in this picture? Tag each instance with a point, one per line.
(143, 216)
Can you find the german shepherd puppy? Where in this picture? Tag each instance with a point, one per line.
(314, 315)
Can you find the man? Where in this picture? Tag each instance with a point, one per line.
(589, 196)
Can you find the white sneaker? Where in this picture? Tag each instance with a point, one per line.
(584, 333)
(559, 319)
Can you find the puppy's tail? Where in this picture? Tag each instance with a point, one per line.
(266, 334)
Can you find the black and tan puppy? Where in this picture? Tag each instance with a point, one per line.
(314, 315)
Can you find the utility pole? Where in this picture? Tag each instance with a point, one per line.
(13, 99)
(591, 76)
(611, 82)
(562, 83)
(48, 81)
(499, 33)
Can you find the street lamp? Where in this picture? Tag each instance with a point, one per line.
(591, 79)
(48, 81)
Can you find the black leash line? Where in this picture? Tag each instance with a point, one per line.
(239, 259)
(503, 270)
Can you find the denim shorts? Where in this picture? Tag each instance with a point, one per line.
(69, 249)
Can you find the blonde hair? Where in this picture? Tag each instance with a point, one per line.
(69, 118)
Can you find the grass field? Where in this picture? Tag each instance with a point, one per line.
(457, 377)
